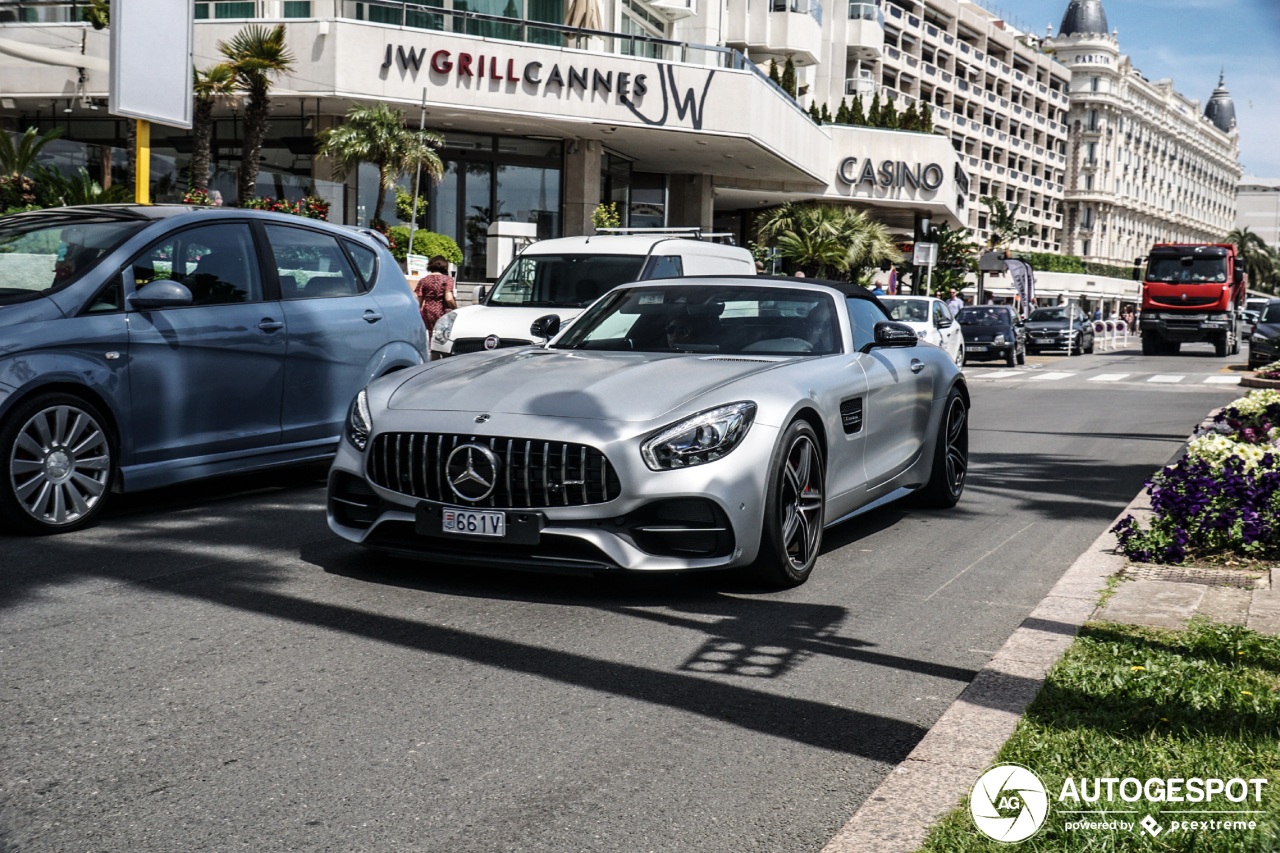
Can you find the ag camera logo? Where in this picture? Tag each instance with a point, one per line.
(1009, 803)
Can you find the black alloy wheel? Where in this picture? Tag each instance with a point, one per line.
(793, 511)
(950, 457)
(56, 463)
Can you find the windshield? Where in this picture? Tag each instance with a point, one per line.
(1187, 270)
(1272, 313)
(729, 320)
(562, 281)
(1058, 313)
(985, 317)
(908, 310)
(44, 253)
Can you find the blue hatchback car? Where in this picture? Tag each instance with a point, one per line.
(143, 346)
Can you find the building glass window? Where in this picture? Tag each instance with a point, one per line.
(297, 8)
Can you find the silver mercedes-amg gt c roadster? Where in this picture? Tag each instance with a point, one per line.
(676, 425)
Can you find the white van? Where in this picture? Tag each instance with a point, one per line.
(564, 275)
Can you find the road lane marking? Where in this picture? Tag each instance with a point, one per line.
(1222, 380)
(1168, 377)
(1052, 375)
(1108, 377)
(1003, 374)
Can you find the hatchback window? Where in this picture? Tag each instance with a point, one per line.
(1272, 314)
(44, 253)
(217, 263)
(366, 261)
(310, 264)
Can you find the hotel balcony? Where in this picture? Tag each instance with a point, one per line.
(778, 28)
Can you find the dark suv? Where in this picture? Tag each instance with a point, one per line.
(993, 331)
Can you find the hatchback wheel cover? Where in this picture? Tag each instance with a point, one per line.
(59, 465)
(801, 502)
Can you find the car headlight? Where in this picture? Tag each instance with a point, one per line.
(359, 421)
(999, 339)
(440, 334)
(704, 437)
(1258, 339)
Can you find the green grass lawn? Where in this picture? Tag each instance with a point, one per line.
(1127, 701)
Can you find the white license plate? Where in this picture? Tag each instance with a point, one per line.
(977, 349)
(471, 522)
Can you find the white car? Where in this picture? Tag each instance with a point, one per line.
(562, 276)
(932, 320)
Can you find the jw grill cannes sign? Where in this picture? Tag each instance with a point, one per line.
(653, 94)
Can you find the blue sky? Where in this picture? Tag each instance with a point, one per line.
(1190, 42)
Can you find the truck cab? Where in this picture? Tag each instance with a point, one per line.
(1191, 292)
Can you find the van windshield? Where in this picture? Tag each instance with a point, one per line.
(563, 281)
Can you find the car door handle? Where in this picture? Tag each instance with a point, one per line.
(916, 365)
(371, 316)
(269, 325)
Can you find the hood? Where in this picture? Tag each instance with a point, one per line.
(1047, 324)
(505, 321)
(617, 386)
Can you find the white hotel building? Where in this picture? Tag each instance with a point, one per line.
(665, 107)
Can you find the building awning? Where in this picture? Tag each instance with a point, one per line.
(52, 56)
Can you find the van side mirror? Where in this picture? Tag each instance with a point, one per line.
(480, 293)
(546, 327)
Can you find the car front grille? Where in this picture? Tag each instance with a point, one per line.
(462, 346)
(532, 473)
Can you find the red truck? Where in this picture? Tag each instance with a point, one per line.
(1192, 292)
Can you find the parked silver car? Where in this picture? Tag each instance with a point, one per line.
(678, 424)
(143, 346)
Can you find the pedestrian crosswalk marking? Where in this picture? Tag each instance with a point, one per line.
(1168, 377)
(1051, 375)
(1222, 380)
(1108, 377)
(1002, 374)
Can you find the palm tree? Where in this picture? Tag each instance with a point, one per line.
(207, 86)
(17, 159)
(98, 14)
(1255, 255)
(1003, 222)
(827, 240)
(256, 54)
(378, 135)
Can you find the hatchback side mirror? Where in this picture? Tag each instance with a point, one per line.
(158, 294)
(891, 334)
(546, 327)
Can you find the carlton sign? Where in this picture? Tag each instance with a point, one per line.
(890, 174)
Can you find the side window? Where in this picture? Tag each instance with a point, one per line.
(665, 266)
(217, 263)
(310, 264)
(863, 316)
(941, 313)
(366, 262)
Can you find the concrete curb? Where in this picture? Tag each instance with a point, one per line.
(943, 767)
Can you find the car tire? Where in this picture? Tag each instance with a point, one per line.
(1089, 350)
(1221, 346)
(793, 511)
(57, 459)
(962, 355)
(950, 457)
(1012, 358)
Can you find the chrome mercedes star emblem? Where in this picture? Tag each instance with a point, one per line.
(472, 471)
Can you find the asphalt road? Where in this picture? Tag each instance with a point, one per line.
(209, 670)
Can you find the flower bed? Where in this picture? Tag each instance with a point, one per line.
(1222, 499)
(1268, 371)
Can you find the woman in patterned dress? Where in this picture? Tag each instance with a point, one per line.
(435, 292)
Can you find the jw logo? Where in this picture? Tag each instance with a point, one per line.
(691, 104)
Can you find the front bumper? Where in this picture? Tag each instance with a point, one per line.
(980, 350)
(705, 517)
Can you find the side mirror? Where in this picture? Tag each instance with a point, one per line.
(943, 323)
(480, 293)
(546, 327)
(891, 334)
(158, 294)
